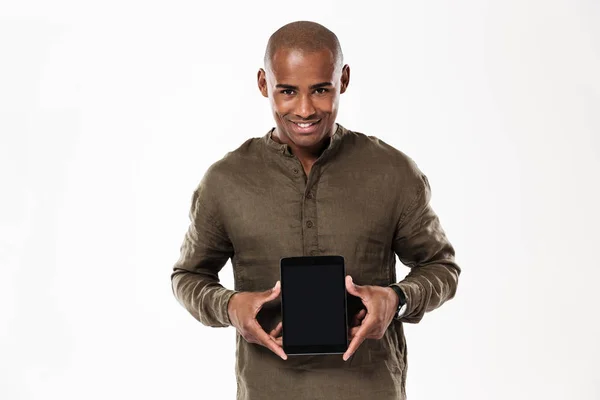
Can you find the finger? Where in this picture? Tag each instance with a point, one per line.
(353, 332)
(359, 317)
(352, 288)
(277, 330)
(268, 341)
(354, 344)
(358, 336)
(279, 341)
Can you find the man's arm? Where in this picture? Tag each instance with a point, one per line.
(421, 244)
(204, 251)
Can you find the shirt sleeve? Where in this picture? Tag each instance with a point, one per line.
(422, 245)
(203, 253)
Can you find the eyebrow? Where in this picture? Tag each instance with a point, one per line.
(316, 85)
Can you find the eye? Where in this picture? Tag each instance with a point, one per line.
(321, 90)
(287, 92)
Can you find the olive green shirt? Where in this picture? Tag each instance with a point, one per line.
(364, 200)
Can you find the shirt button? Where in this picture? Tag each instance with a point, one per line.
(309, 196)
(296, 170)
(309, 224)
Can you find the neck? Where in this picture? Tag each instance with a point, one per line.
(305, 154)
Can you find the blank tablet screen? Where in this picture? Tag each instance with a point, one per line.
(314, 305)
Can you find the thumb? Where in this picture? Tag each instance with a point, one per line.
(352, 288)
(273, 292)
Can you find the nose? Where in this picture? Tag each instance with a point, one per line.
(305, 108)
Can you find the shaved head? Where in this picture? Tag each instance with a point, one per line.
(303, 78)
(303, 36)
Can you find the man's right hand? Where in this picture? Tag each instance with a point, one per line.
(243, 308)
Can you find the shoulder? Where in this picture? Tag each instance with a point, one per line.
(375, 151)
(233, 164)
(235, 160)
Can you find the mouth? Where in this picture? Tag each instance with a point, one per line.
(304, 127)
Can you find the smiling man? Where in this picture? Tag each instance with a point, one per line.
(310, 186)
(303, 80)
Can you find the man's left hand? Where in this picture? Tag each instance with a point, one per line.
(381, 303)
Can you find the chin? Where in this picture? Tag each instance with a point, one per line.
(306, 140)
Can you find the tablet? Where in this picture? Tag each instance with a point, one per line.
(313, 305)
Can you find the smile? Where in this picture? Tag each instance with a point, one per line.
(304, 127)
(305, 124)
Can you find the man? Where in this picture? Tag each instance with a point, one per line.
(310, 186)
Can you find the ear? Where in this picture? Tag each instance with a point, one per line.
(262, 82)
(345, 78)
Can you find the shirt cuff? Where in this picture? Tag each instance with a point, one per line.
(222, 315)
(412, 293)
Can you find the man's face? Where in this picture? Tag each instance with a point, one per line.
(304, 90)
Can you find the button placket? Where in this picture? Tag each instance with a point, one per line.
(309, 213)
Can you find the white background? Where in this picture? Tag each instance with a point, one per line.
(110, 112)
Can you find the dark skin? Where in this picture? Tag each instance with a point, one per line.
(305, 87)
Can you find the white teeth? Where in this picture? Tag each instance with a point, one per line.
(304, 125)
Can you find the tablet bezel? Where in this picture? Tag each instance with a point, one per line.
(290, 262)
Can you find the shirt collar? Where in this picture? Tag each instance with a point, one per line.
(285, 150)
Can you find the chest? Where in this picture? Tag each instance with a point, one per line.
(346, 212)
